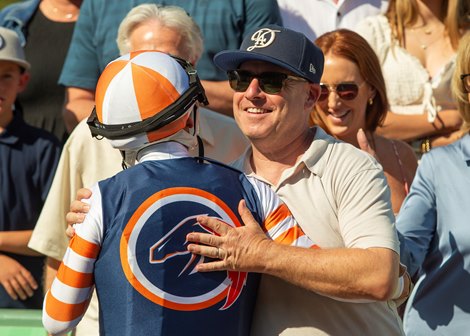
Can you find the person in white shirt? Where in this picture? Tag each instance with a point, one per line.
(316, 17)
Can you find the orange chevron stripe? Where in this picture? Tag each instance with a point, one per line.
(135, 53)
(84, 248)
(73, 278)
(277, 216)
(103, 83)
(289, 236)
(150, 98)
(62, 311)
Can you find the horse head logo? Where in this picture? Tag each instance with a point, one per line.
(171, 249)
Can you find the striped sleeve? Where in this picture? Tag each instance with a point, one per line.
(67, 300)
(279, 224)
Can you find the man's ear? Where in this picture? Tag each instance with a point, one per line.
(313, 94)
(24, 80)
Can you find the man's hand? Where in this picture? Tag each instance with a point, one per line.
(407, 285)
(78, 211)
(17, 280)
(239, 249)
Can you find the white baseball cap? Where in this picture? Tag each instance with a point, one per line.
(10, 48)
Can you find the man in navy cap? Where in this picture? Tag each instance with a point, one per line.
(337, 193)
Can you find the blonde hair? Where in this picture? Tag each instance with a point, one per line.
(168, 16)
(404, 13)
(458, 90)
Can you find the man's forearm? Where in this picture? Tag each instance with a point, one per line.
(412, 127)
(78, 106)
(220, 96)
(17, 242)
(343, 273)
(346, 273)
(51, 267)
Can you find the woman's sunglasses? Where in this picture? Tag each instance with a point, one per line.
(466, 82)
(269, 82)
(346, 91)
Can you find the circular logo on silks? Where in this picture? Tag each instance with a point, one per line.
(154, 255)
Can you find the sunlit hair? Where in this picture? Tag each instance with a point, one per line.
(351, 46)
(404, 13)
(458, 91)
(168, 16)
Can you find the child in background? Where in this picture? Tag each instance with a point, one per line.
(28, 158)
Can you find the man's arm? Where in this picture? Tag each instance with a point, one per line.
(81, 67)
(67, 300)
(78, 106)
(412, 127)
(50, 271)
(350, 273)
(17, 242)
(219, 94)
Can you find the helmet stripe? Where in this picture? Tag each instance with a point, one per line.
(153, 91)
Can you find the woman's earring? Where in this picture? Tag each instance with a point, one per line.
(371, 101)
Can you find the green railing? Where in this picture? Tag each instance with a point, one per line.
(24, 322)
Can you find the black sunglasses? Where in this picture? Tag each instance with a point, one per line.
(269, 82)
(466, 82)
(346, 91)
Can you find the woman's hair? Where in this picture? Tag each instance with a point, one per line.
(168, 16)
(404, 13)
(353, 47)
(458, 91)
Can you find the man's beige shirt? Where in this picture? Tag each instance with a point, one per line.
(340, 198)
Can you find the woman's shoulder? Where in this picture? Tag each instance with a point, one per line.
(397, 152)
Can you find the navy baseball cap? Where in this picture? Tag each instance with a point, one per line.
(278, 45)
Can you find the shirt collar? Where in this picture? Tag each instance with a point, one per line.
(10, 135)
(163, 151)
(313, 158)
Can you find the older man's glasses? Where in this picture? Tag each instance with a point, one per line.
(466, 82)
(269, 82)
(346, 91)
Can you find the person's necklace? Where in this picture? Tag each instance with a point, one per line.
(69, 16)
(426, 35)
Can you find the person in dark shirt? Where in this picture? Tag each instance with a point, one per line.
(28, 158)
(45, 30)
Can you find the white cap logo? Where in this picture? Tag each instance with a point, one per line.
(312, 69)
(263, 38)
(2, 42)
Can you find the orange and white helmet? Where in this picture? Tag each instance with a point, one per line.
(144, 97)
